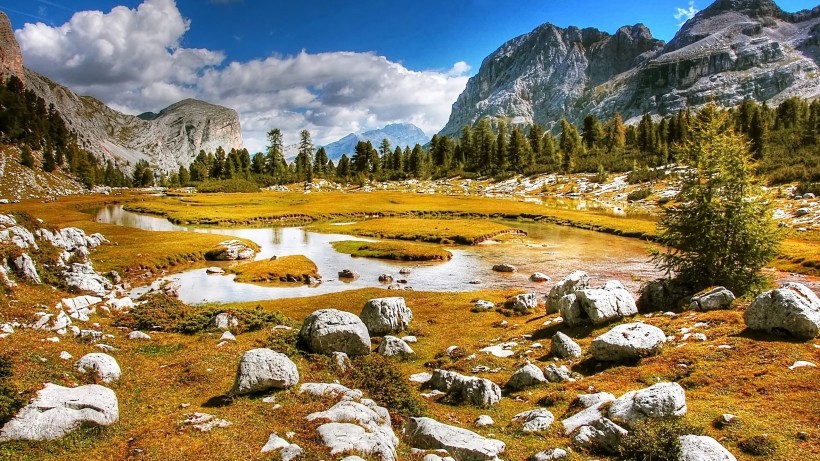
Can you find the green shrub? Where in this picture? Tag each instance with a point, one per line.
(639, 194)
(228, 185)
(382, 382)
(655, 440)
(759, 445)
(163, 313)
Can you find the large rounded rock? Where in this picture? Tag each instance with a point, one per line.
(386, 315)
(712, 299)
(329, 330)
(538, 420)
(702, 448)
(793, 309)
(461, 444)
(263, 369)
(104, 367)
(524, 302)
(58, 410)
(564, 347)
(575, 281)
(660, 401)
(392, 346)
(480, 392)
(528, 375)
(628, 342)
(601, 305)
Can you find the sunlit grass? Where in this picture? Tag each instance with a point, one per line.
(398, 251)
(276, 271)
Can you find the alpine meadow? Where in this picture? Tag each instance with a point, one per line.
(458, 231)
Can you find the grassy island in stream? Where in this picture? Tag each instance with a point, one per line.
(397, 251)
(287, 270)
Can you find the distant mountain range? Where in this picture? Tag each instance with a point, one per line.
(168, 139)
(398, 134)
(731, 50)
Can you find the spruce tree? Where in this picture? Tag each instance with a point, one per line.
(721, 232)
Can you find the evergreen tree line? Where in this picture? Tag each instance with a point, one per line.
(44, 140)
(782, 139)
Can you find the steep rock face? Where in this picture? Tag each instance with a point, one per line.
(168, 139)
(11, 59)
(732, 50)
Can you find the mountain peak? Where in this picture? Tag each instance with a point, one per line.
(11, 58)
(751, 8)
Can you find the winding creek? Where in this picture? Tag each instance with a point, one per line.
(551, 249)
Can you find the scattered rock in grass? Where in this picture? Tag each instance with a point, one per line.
(522, 303)
(556, 374)
(601, 435)
(204, 422)
(264, 369)
(26, 269)
(502, 350)
(662, 400)
(483, 421)
(528, 375)
(57, 411)
(360, 427)
(274, 443)
(480, 392)
(103, 366)
(554, 454)
(342, 361)
(483, 305)
(793, 309)
(410, 339)
(227, 336)
(81, 277)
(801, 364)
(329, 330)
(138, 335)
(386, 315)
(702, 448)
(588, 400)
(712, 299)
(330, 390)
(420, 377)
(538, 420)
(461, 444)
(575, 281)
(564, 347)
(64, 355)
(725, 420)
(599, 305)
(392, 346)
(629, 341)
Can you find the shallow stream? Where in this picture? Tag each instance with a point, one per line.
(550, 249)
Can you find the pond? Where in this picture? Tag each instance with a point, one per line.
(550, 249)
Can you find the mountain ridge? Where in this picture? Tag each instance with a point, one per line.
(398, 134)
(170, 138)
(731, 50)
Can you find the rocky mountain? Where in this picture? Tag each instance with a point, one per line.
(732, 50)
(399, 134)
(170, 138)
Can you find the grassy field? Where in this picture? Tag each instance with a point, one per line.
(397, 251)
(178, 374)
(296, 268)
(136, 254)
(445, 231)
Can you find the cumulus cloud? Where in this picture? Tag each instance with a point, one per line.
(133, 60)
(684, 14)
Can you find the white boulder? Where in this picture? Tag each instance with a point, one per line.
(461, 444)
(793, 308)
(386, 315)
(263, 369)
(329, 330)
(105, 367)
(629, 341)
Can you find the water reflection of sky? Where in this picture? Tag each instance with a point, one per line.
(553, 250)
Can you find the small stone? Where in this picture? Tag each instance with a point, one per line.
(801, 364)
(484, 421)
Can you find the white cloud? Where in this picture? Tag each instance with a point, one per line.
(132, 59)
(684, 14)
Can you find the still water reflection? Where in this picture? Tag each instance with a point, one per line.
(551, 249)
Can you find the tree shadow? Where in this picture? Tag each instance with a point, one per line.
(590, 366)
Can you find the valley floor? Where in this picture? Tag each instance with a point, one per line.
(176, 374)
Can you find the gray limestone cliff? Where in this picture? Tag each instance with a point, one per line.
(732, 50)
(168, 139)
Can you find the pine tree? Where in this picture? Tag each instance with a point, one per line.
(26, 158)
(48, 161)
(722, 231)
(320, 163)
(570, 145)
(304, 157)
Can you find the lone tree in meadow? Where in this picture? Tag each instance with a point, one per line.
(720, 231)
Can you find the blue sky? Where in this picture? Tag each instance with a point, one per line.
(329, 66)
